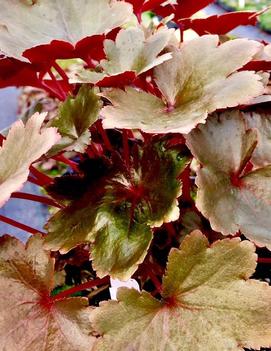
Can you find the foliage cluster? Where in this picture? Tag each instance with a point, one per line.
(155, 227)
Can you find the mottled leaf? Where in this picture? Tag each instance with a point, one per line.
(24, 145)
(196, 81)
(229, 197)
(208, 303)
(25, 25)
(74, 118)
(117, 212)
(31, 319)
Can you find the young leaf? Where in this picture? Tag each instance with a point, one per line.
(220, 24)
(131, 51)
(16, 73)
(24, 26)
(24, 145)
(31, 319)
(181, 9)
(196, 81)
(230, 198)
(208, 303)
(75, 116)
(116, 212)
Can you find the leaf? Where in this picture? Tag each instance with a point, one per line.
(220, 24)
(24, 145)
(117, 212)
(24, 26)
(140, 6)
(196, 81)
(181, 8)
(208, 303)
(121, 243)
(16, 73)
(31, 320)
(44, 56)
(133, 51)
(75, 117)
(262, 122)
(228, 196)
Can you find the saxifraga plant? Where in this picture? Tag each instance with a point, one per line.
(164, 210)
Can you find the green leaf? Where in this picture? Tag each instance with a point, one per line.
(74, 118)
(121, 243)
(230, 198)
(208, 303)
(116, 214)
(195, 82)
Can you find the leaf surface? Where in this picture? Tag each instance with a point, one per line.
(24, 145)
(231, 198)
(132, 51)
(196, 81)
(208, 303)
(117, 212)
(74, 118)
(26, 25)
(30, 319)
(220, 24)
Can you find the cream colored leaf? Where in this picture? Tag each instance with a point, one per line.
(24, 26)
(30, 319)
(264, 54)
(208, 303)
(133, 50)
(231, 199)
(24, 145)
(197, 81)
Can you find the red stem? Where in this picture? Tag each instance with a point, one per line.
(19, 225)
(51, 90)
(61, 72)
(85, 286)
(155, 281)
(37, 198)
(34, 181)
(62, 92)
(264, 260)
(126, 152)
(104, 136)
(72, 164)
(41, 177)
